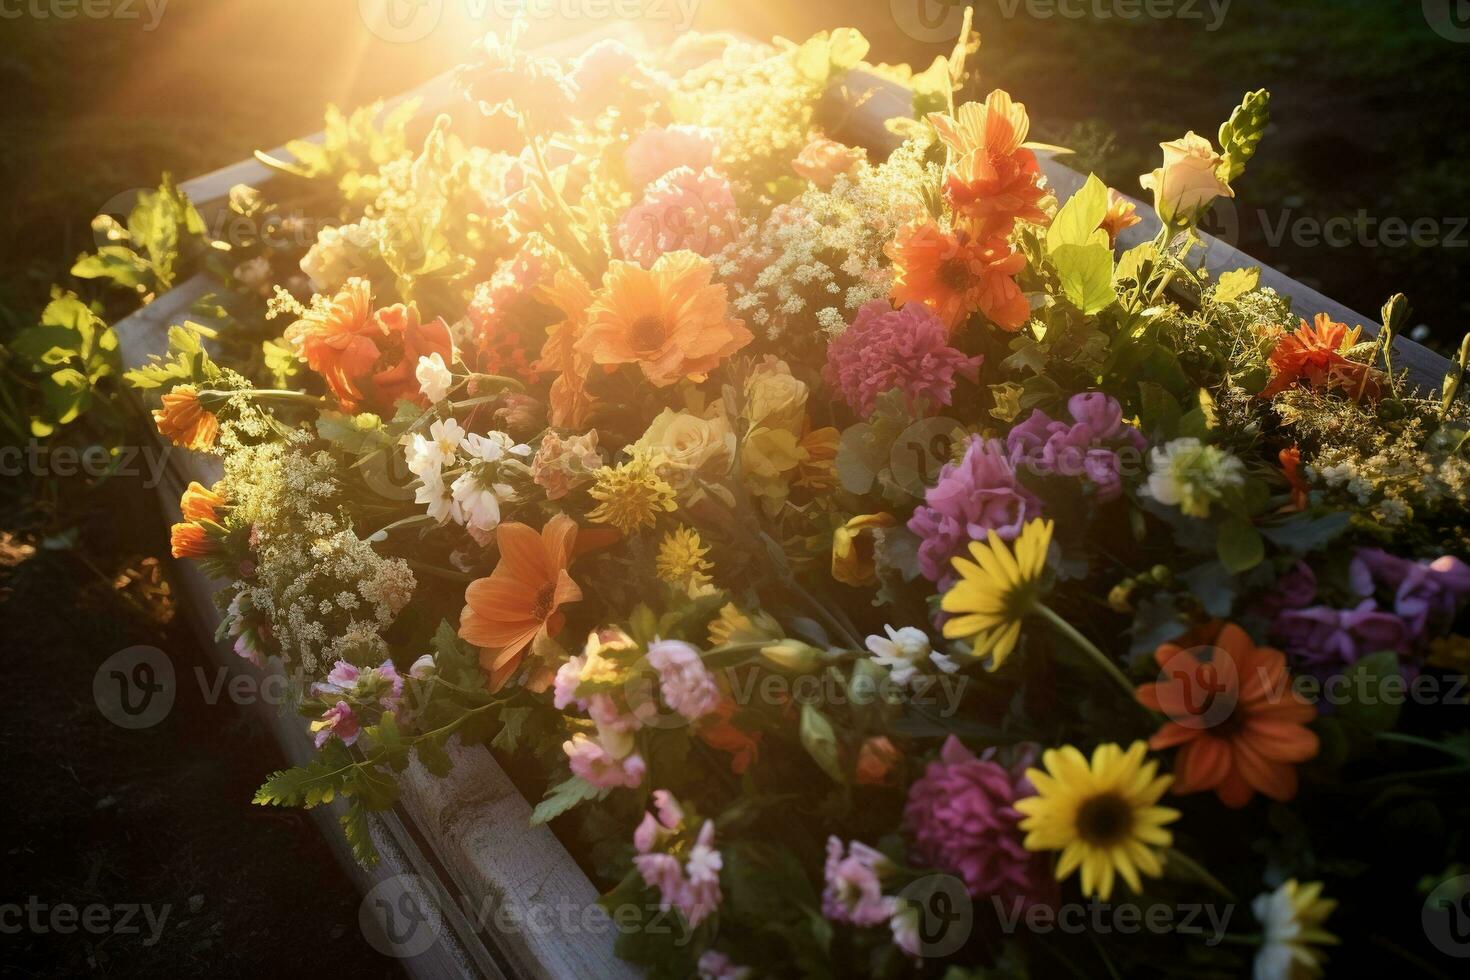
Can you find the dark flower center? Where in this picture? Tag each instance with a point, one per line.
(647, 333)
(955, 274)
(544, 599)
(1105, 820)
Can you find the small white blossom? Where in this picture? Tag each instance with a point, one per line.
(435, 379)
(904, 650)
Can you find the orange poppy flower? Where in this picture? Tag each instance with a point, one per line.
(1312, 354)
(190, 541)
(520, 602)
(1240, 727)
(993, 179)
(200, 503)
(955, 274)
(183, 420)
(669, 319)
(367, 357)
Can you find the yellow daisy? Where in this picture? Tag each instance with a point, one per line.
(681, 562)
(1103, 817)
(632, 494)
(992, 597)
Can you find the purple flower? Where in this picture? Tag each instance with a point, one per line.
(977, 495)
(1326, 640)
(1086, 449)
(1424, 591)
(907, 349)
(339, 720)
(962, 818)
(854, 887)
(1294, 588)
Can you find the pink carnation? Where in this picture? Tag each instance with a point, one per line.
(658, 150)
(680, 210)
(686, 685)
(905, 349)
(692, 887)
(854, 891)
(594, 763)
(962, 819)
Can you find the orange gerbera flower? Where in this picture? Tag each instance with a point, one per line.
(183, 420)
(1240, 727)
(190, 541)
(1313, 355)
(200, 503)
(670, 320)
(367, 357)
(520, 602)
(993, 180)
(955, 274)
(1122, 214)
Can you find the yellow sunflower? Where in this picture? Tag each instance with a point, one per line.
(992, 597)
(1104, 818)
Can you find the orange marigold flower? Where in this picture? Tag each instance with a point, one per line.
(955, 274)
(1312, 355)
(1121, 215)
(670, 320)
(520, 601)
(200, 503)
(721, 734)
(993, 180)
(366, 357)
(184, 421)
(1240, 727)
(190, 541)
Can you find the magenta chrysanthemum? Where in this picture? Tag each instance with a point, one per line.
(961, 818)
(905, 349)
(680, 210)
(973, 497)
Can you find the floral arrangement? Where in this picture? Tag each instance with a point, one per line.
(835, 528)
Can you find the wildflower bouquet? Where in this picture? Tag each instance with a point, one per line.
(876, 564)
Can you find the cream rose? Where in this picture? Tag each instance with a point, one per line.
(689, 446)
(774, 398)
(1189, 181)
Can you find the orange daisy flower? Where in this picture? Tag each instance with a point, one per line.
(1122, 214)
(200, 503)
(1312, 354)
(183, 420)
(993, 180)
(955, 274)
(190, 541)
(367, 357)
(520, 602)
(570, 403)
(670, 320)
(1240, 727)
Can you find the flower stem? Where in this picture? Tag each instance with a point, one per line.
(1085, 645)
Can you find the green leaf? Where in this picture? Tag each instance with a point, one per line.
(431, 754)
(1301, 534)
(319, 781)
(562, 797)
(820, 742)
(1086, 274)
(1234, 284)
(512, 728)
(358, 831)
(386, 735)
(1078, 220)
(1366, 677)
(1239, 545)
(126, 268)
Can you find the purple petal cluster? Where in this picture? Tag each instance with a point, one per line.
(1427, 595)
(1087, 448)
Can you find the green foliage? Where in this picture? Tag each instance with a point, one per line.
(162, 232)
(186, 361)
(72, 350)
(562, 797)
(352, 149)
(1242, 132)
